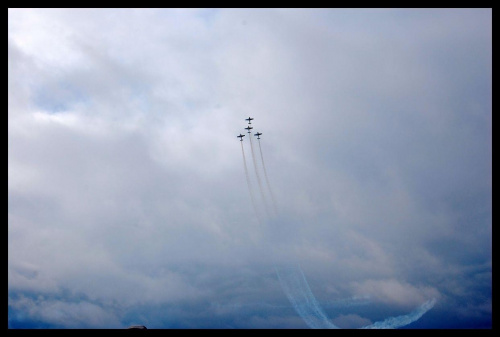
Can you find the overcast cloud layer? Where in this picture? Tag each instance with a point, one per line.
(127, 199)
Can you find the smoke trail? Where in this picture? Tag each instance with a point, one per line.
(267, 181)
(258, 176)
(399, 321)
(297, 290)
(294, 282)
(249, 185)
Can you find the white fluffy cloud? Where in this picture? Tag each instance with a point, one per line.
(395, 292)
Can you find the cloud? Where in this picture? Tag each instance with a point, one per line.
(395, 292)
(126, 181)
(351, 321)
(64, 314)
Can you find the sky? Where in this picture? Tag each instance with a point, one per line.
(128, 200)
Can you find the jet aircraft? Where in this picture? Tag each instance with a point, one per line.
(249, 119)
(241, 137)
(258, 135)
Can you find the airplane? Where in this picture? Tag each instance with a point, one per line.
(249, 119)
(249, 128)
(258, 135)
(241, 137)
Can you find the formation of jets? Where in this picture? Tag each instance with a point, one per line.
(248, 128)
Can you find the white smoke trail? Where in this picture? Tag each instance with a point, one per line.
(297, 290)
(258, 176)
(250, 190)
(267, 180)
(399, 321)
(295, 285)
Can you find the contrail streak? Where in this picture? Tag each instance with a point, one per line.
(294, 283)
(399, 321)
(250, 190)
(297, 290)
(258, 176)
(267, 181)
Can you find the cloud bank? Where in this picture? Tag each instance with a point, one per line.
(127, 195)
